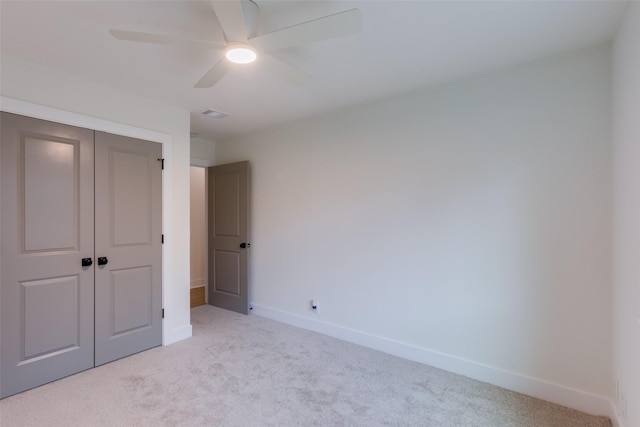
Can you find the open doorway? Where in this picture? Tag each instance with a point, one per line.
(198, 236)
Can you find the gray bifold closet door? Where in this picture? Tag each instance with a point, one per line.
(57, 316)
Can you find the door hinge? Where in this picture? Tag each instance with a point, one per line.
(163, 313)
(162, 160)
(162, 239)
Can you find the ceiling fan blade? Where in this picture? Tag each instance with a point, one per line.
(340, 24)
(231, 18)
(163, 39)
(285, 71)
(214, 74)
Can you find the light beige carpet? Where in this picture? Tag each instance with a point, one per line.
(249, 371)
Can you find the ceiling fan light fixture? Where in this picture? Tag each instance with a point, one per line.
(240, 54)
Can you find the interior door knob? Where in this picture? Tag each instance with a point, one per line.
(103, 260)
(245, 245)
(86, 262)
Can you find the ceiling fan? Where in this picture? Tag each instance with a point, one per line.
(237, 19)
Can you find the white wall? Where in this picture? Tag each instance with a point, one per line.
(626, 160)
(61, 97)
(467, 226)
(203, 152)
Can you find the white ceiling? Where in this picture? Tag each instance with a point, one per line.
(404, 46)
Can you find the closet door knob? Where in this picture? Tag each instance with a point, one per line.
(86, 262)
(103, 260)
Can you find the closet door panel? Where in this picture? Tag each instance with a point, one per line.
(47, 223)
(128, 237)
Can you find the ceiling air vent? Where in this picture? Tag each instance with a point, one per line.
(215, 114)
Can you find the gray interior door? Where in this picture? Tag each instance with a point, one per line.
(47, 223)
(227, 188)
(128, 300)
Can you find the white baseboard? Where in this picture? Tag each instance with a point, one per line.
(616, 420)
(176, 334)
(556, 393)
(198, 283)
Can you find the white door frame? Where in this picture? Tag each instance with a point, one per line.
(11, 105)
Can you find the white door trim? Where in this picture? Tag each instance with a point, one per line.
(16, 106)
